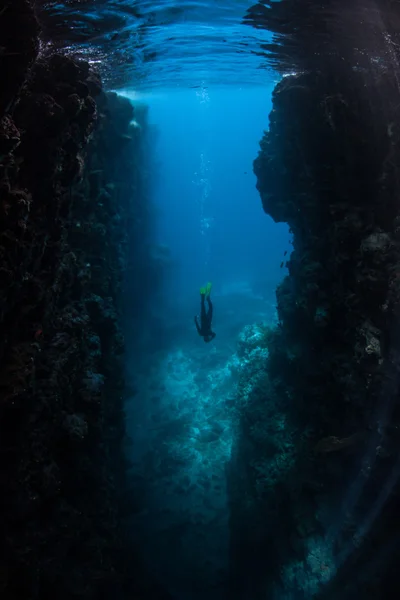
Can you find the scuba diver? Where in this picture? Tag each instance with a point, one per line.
(204, 329)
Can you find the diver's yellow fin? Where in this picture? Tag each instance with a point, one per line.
(208, 288)
(203, 291)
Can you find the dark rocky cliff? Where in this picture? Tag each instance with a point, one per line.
(314, 477)
(68, 194)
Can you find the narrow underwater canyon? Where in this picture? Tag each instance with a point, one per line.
(306, 411)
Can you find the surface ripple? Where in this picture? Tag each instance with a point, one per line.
(144, 44)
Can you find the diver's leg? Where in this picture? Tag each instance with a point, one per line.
(203, 314)
(210, 310)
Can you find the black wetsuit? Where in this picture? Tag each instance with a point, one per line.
(204, 329)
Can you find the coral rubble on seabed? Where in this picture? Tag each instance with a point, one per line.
(183, 422)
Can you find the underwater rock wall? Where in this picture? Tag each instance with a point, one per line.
(66, 190)
(314, 475)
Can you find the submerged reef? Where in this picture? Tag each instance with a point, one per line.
(68, 193)
(314, 477)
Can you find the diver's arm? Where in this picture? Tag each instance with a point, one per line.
(210, 337)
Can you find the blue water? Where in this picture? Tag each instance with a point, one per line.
(208, 226)
(208, 208)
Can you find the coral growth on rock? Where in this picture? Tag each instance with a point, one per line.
(67, 198)
(333, 362)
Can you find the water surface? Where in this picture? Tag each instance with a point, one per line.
(144, 44)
